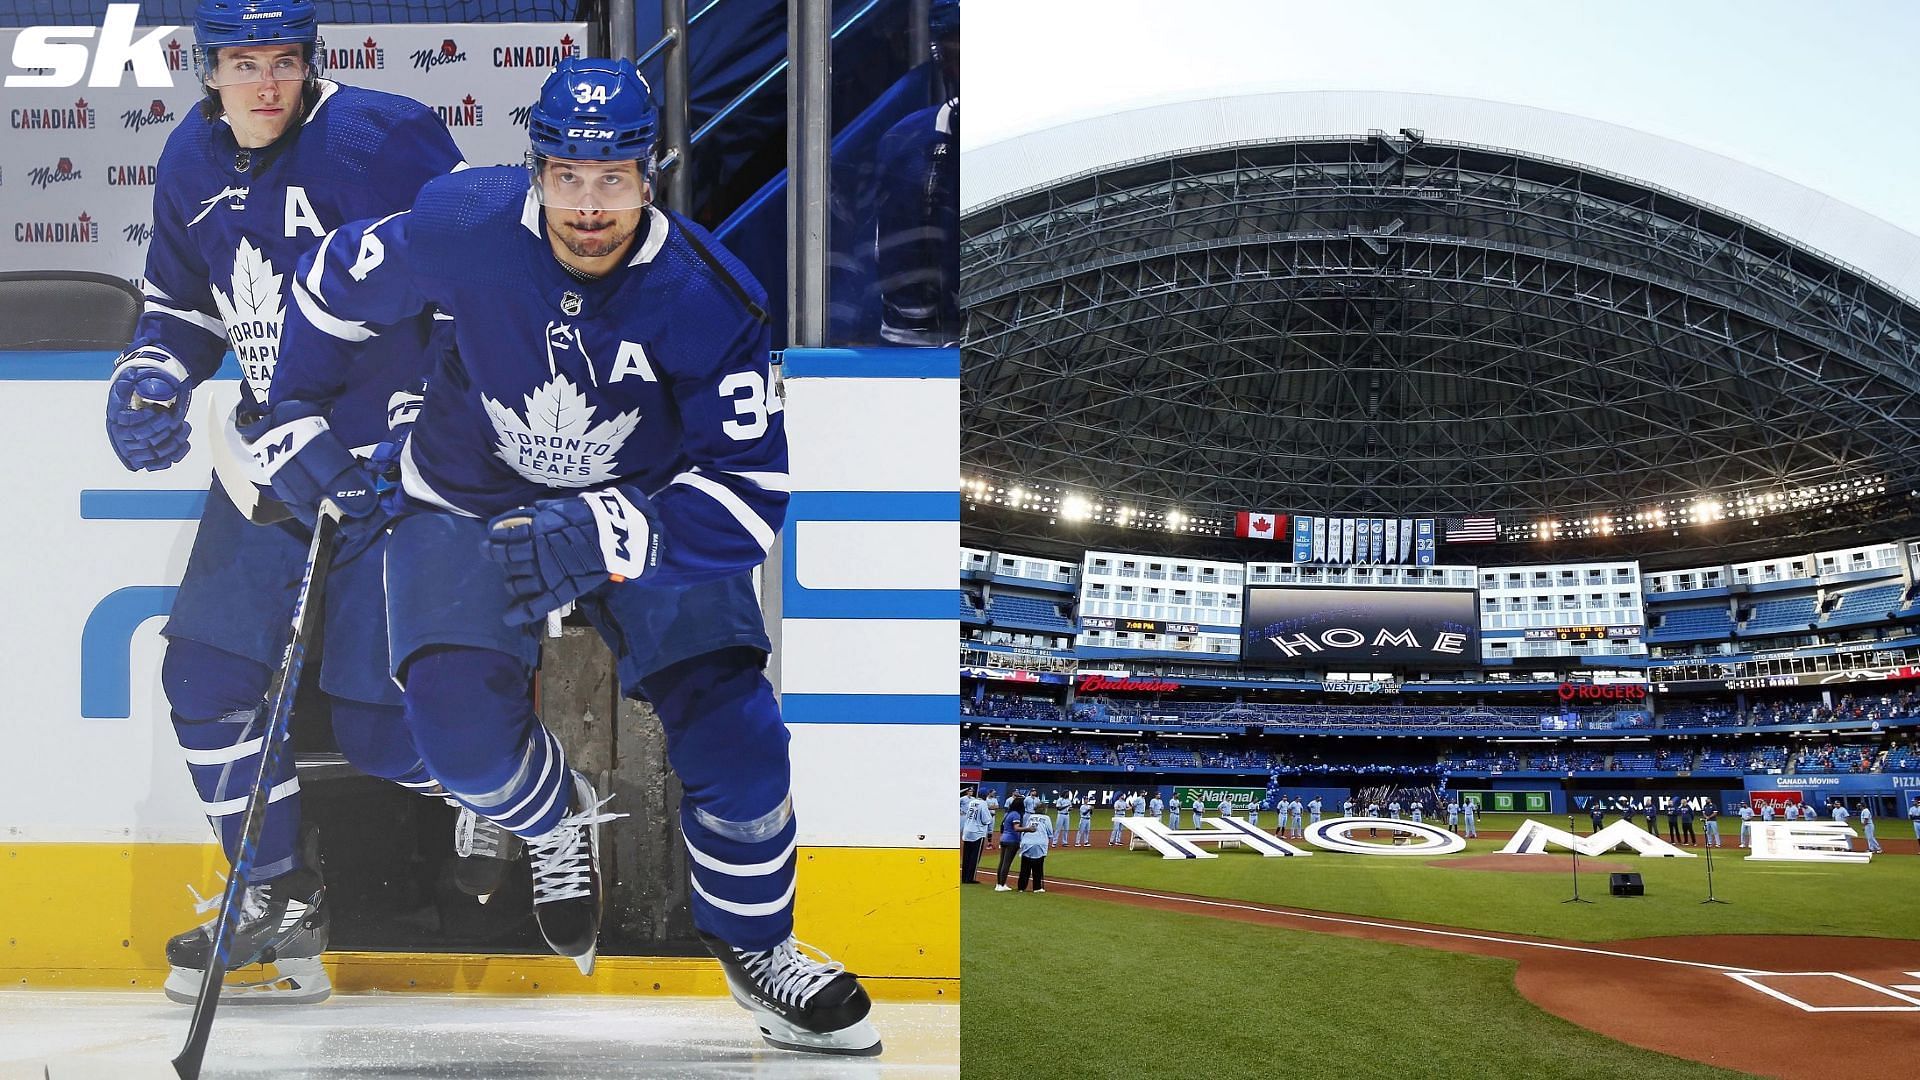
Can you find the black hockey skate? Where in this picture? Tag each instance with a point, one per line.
(800, 1003)
(485, 853)
(566, 877)
(282, 923)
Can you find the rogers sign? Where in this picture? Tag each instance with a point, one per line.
(1091, 683)
(1602, 692)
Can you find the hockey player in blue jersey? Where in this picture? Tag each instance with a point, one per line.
(606, 434)
(917, 233)
(256, 175)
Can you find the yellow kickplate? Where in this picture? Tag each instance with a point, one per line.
(99, 915)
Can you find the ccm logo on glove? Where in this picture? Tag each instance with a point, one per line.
(627, 542)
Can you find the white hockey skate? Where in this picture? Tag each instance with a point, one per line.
(800, 1003)
(275, 956)
(566, 877)
(485, 853)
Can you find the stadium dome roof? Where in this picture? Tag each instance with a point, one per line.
(1411, 305)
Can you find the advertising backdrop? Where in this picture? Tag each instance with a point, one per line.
(77, 163)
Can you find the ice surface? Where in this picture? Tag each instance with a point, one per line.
(125, 1036)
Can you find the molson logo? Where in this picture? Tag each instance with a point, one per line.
(367, 56)
(46, 176)
(140, 232)
(81, 115)
(465, 114)
(447, 53)
(1605, 692)
(130, 175)
(84, 230)
(520, 115)
(1090, 683)
(141, 119)
(534, 56)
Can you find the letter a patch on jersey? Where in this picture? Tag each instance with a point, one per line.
(632, 361)
(554, 440)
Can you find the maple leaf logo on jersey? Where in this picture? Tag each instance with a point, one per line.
(253, 314)
(554, 440)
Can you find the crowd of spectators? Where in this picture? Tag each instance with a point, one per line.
(1850, 708)
(1147, 755)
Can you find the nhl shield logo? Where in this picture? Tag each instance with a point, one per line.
(570, 303)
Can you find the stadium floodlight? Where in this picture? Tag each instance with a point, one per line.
(1017, 497)
(1075, 508)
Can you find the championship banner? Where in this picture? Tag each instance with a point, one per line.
(1393, 541)
(1321, 552)
(77, 163)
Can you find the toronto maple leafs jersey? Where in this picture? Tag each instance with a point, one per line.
(655, 377)
(229, 225)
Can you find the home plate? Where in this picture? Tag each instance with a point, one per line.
(1830, 991)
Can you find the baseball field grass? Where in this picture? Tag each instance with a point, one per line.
(1059, 986)
(1873, 900)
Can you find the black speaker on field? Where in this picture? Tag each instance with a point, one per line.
(1626, 885)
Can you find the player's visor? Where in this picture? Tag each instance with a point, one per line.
(230, 70)
(560, 184)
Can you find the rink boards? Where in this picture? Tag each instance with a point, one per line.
(99, 829)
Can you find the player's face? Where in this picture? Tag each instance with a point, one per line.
(593, 208)
(259, 89)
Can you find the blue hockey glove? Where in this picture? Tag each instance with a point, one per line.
(306, 462)
(557, 550)
(147, 410)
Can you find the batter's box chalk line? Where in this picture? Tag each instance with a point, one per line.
(1753, 979)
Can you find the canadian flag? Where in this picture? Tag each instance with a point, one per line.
(1259, 525)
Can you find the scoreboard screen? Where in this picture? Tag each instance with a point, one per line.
(1345, 629)
(1582, 633)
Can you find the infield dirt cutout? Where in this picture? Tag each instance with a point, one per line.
(1799, 1008)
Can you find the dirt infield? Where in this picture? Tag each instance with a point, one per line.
(1528, 864)
(1760, 1004)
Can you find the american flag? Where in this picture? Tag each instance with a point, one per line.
(1469, 530)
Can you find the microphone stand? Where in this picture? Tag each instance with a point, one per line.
(1711, 899)
(1576, 898)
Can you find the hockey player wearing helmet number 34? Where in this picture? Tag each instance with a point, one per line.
(605, 434)
(251, 179)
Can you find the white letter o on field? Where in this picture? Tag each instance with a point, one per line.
(1337, 835)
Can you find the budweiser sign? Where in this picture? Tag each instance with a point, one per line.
(1091, 683)
(1603, 692)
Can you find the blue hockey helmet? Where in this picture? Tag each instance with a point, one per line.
(223, 24)
(593, 109)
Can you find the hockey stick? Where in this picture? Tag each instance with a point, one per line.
(273, 744)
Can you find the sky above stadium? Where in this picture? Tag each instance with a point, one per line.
(1824, 95)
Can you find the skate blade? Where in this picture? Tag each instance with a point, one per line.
(858, 1039)
(288, 982)
(585, 963)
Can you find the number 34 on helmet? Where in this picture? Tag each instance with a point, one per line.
(593, 110)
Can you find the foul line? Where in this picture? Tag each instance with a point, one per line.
(1725, 968)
